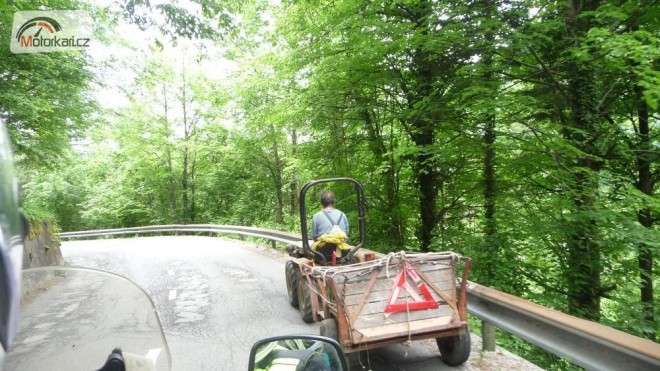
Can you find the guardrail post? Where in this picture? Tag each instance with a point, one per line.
(488, 336)
(273, 244)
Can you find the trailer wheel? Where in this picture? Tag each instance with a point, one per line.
(304, 300)
(455, 350)
(291, 272)
(329, 329)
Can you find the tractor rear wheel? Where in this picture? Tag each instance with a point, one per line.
(455, 350)
(304, 300)
(292, 275)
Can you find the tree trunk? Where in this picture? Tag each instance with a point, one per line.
(491, 239)
(277, 175)
(184, 186)
(425, 175)
(188, 132)
(185, 207)
(583, 272)
(490, 192)
(293, 186)
(170, 171)
(192, 192)
(393, 233)
(645, 185)
(423, 125)
(172, 188)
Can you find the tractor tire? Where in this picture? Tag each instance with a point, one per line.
(304, 300)
(329, 329)
(455, 350)
(292, 275)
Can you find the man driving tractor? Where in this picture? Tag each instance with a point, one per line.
(329, 228)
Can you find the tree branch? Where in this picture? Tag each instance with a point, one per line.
(555, 83)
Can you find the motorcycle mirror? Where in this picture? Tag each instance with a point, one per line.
(297, 353)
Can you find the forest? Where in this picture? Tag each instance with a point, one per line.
(521, 133)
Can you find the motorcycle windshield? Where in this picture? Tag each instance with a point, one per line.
(73, 318)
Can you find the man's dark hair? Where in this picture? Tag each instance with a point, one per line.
(327, 198)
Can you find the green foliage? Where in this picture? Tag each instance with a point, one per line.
(45, 98)
(198, 19)
(57, 194)
(418, 100)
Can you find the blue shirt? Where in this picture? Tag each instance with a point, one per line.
(321, 225)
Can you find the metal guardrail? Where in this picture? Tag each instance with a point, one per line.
(191, 228)
(587, 344)
(584, 343)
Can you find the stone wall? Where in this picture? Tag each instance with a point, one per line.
(42, 247)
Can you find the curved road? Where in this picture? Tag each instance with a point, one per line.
(216, 297)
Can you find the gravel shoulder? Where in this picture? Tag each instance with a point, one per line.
(500, 359)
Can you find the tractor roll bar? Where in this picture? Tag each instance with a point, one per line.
(361, 217)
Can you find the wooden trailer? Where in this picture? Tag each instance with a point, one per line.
(365, 302)
(394, 299)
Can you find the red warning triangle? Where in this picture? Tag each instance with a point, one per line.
(402, 283)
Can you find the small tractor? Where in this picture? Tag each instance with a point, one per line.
(365, 300)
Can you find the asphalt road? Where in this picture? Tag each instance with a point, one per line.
(216, 297)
